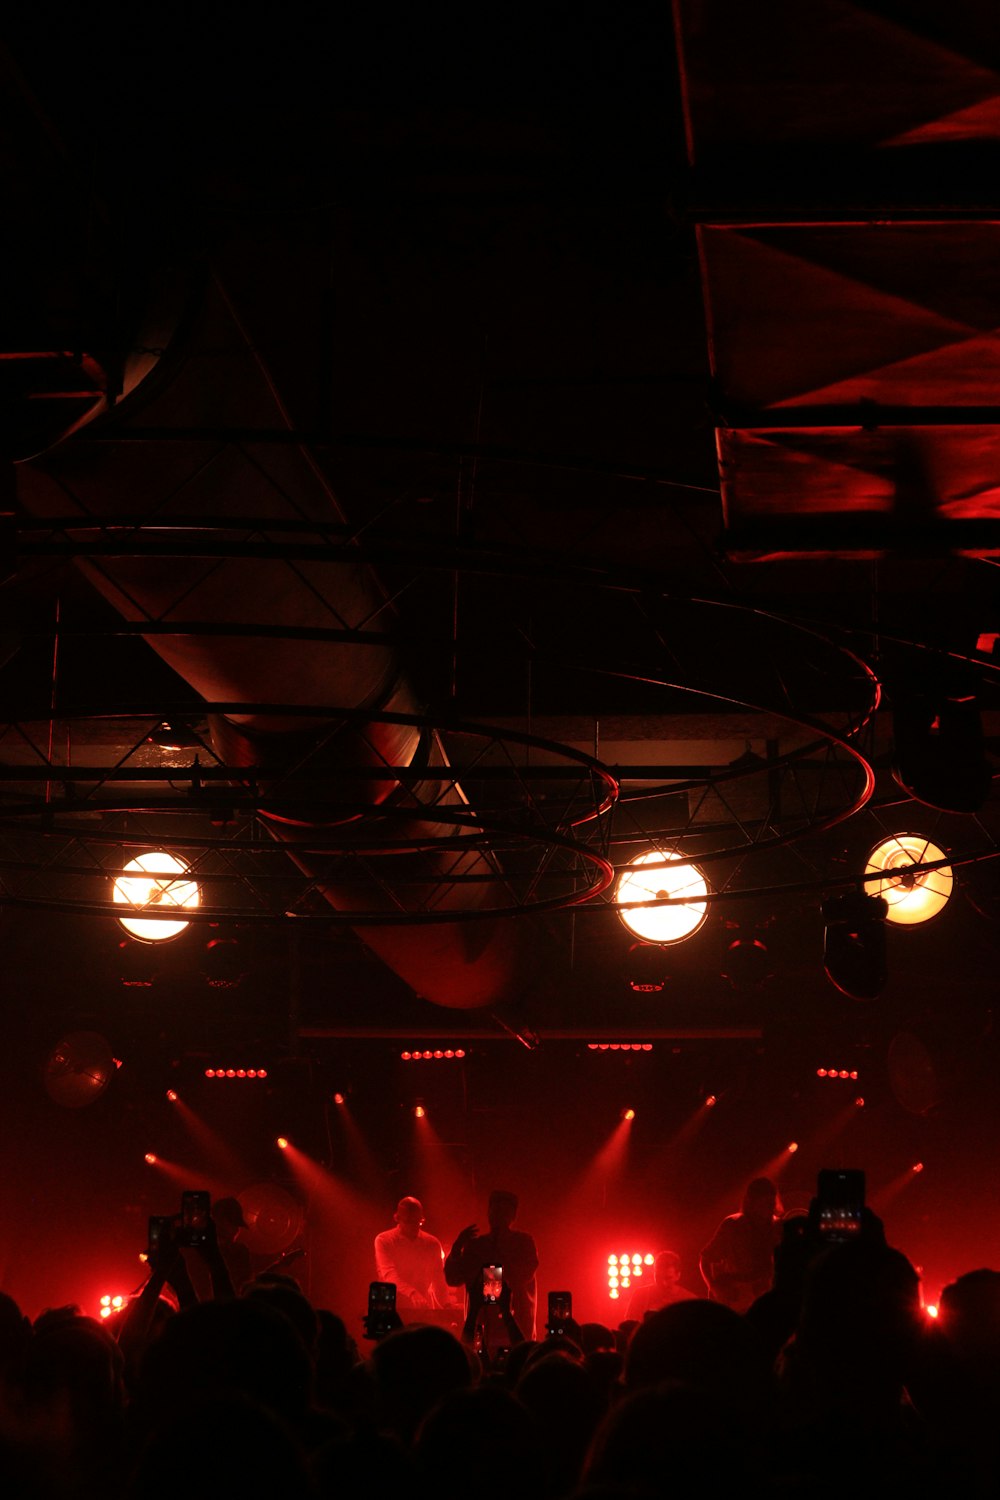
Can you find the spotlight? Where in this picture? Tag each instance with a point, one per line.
(792, 1147)
(150, 1158)
(419, 1111)
(711, 1101)
(111, 1304)
(628, 1114)
(931, 1309)
(282, 1142)
(172, 1095)
(655, 876)
(911, 896)
(854, 944)
(859, 1101)
(918, 1166)
(338, 1099)
(149, 881)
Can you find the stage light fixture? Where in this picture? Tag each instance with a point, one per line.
(711, 1101)
(148, 884)
(235, 1072)
(939, 753)
(139, 965)
(918, 1166)
(655, 876)
(747, 965)
(419, 1111)
(792, 1147)
(932, 1309)
(912, 896)
(619, 1046)
(223, 964)
(339, 1099)
(282, 1142)
(150, 1158)
(111, 1304)
(437, 1054)
(172, 1095)
(622, 1268)
(628, 1114)
(854, 955)
(646, 969)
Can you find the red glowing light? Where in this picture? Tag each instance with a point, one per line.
(628, 1114)
(854, 1072)
(404, 1056)
(209, 1072)
(338, 1099)
(419, 1111)
(150, 1158)
(859, 1101)
(261, 1072)
(172, 1096)
(792, 1147)
(241, 1072)
(230, 1072)
(820, 1072)
(711, 1102)
(459, 1051)
(844, 1073)
(918, 1166)
(931, 1309)
(282, 1143)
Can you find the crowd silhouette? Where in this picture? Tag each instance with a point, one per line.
(835, 1380)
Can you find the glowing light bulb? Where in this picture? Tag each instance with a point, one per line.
(282, 1143)
(419, 1111)
(792, 1147)
(656, 875)
(912, 897)
(149, 886)
(628, 1114)
(172, 1096)
(150, 1158)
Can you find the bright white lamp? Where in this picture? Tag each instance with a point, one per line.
(911, 896)
(149, 884)
(653, 876)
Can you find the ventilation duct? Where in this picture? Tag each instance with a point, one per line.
(462, 964)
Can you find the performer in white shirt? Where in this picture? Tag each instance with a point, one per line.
(413, 1259)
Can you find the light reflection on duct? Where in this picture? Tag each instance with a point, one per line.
(654, 876)
(141, 888)
(911, 896)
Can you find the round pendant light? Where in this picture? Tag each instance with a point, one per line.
(912, 896)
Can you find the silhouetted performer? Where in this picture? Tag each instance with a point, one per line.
(738, 1262)
(502, 1246)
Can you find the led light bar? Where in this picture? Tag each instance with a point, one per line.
(428, 1056)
